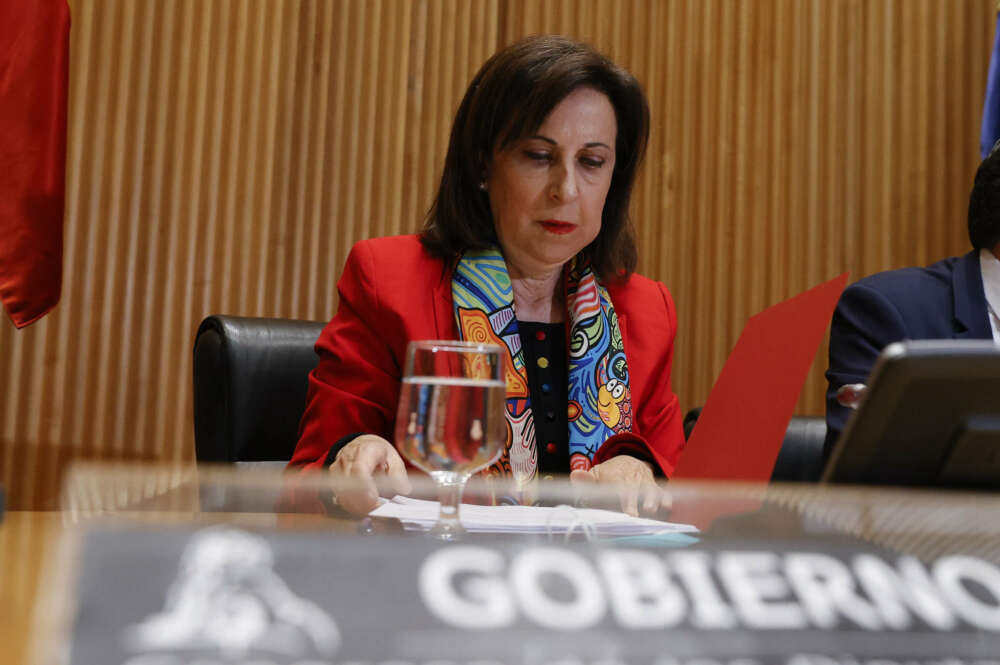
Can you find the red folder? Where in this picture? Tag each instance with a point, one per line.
(743, 422)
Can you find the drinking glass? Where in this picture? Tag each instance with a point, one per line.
(451, 421)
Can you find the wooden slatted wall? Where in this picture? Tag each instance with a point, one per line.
(225, 154)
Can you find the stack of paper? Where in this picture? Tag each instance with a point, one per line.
(420, 514)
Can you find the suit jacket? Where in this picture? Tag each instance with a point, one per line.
(392, 291)
(945, 300)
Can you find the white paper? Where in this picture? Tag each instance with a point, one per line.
(421, 514)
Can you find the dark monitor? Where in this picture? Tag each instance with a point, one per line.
(929, 418)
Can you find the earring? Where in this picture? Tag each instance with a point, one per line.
(482, 185)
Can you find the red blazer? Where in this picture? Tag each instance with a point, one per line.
(392, 291)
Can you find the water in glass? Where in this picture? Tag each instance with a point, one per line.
(450, 425)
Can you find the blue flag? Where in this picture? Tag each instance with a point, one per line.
(991, 106)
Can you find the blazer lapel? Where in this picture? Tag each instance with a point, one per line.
(971, 316)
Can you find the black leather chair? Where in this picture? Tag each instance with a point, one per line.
(250, 380)
(801, 456)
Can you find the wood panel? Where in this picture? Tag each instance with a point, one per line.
(224, 155)
(791, 141)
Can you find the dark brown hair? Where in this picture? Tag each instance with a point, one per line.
(509, 98)
(984, 203)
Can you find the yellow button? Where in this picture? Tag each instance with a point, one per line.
(543, 362)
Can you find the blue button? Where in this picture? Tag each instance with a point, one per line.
(546, 388)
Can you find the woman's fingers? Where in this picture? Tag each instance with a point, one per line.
(369, 459)
(396, 471)
(632, 484)
(581, 476)
(355, 493)
(355, 469)
(656, 498)
(633, 479)
(650, 498)
(666, 499)
(629, 496)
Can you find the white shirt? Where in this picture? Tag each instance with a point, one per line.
(989, 265)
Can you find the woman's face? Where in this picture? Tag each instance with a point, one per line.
(547, 190)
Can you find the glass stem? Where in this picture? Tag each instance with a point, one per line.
(450, 496)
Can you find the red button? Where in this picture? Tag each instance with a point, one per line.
(551, 448)
(540, 335)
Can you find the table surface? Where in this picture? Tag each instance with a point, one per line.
(26, 538)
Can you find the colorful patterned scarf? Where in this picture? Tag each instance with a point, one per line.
(600, 403)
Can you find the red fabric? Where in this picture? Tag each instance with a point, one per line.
(34, 74)
(392, 292)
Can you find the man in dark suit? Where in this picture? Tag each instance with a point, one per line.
(957, 298)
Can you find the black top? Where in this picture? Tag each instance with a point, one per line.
(544, 347)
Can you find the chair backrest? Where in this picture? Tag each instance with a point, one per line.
(801, 456)
(250, 381)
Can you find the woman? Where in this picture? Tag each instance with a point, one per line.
(529, 245)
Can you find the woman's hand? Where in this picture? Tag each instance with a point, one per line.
(634, 479)
(355, 468)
